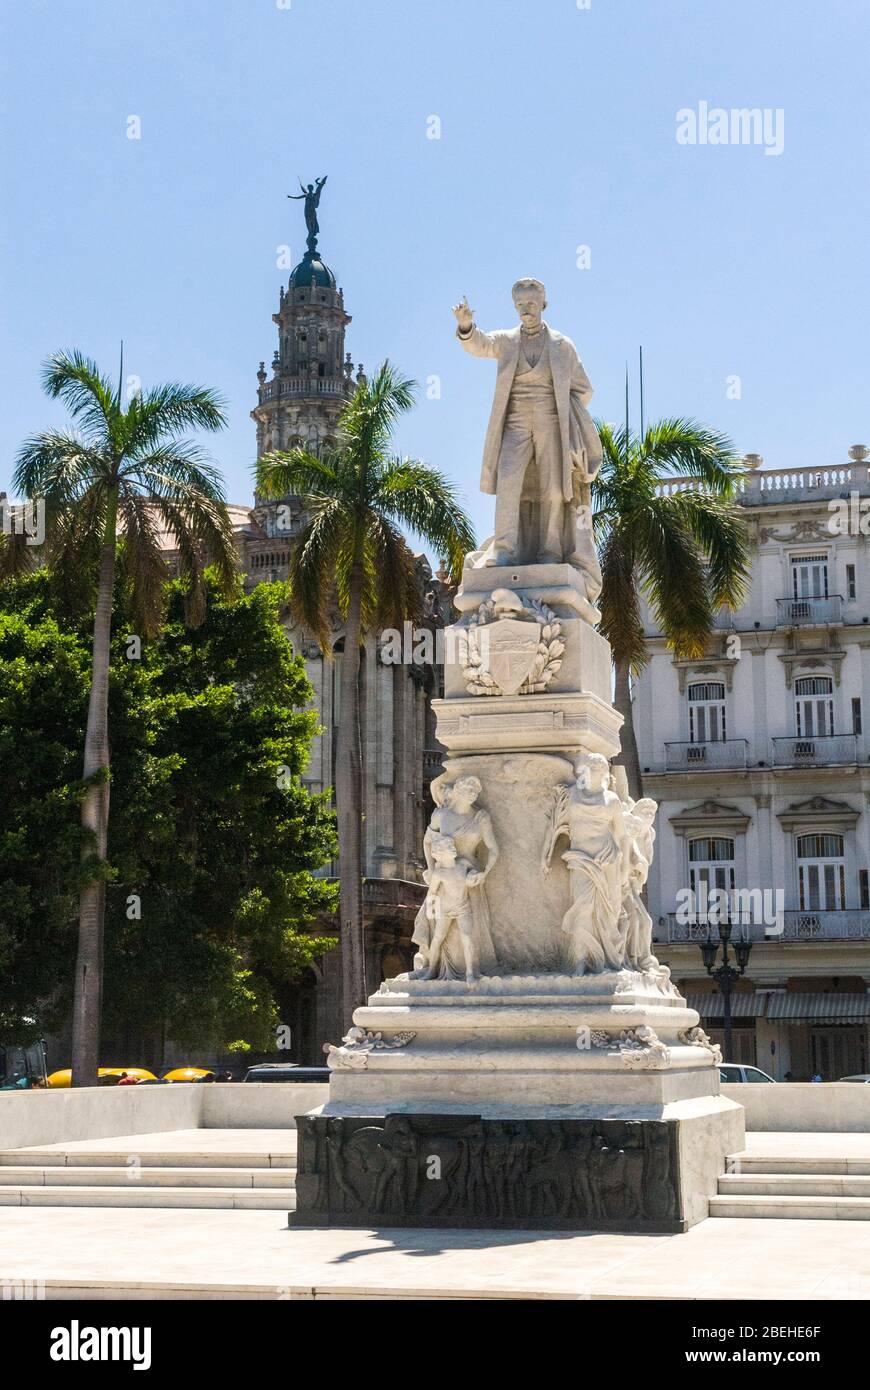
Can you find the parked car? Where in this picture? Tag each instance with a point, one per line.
(286, 1071)
(106, 1076)
(862, 1076)
(189, 1074)
(22, 1068)
(729, 1072)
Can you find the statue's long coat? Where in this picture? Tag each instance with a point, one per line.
(581, 446)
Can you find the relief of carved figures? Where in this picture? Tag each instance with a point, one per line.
(436, 1169)
(606, 926)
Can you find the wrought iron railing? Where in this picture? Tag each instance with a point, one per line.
(700, 757)
(815, 750)
(809, 612)
(793, 924)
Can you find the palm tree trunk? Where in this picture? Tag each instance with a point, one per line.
(88, 998)
(628, 754)
(348, 793)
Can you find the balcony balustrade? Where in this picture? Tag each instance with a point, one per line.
(705, 757)
(809, 612)
(852, 924)
(306, 386)
(815, 750)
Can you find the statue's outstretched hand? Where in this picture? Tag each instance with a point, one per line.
(464, 315)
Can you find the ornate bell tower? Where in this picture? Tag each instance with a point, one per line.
(311, 377)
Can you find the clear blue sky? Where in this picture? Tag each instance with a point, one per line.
(558, 129)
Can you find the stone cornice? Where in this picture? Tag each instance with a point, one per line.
(820, 811)
(710, 816)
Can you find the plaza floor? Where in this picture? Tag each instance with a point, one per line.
(110, 1252)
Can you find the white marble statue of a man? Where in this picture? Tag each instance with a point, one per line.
(539, 418)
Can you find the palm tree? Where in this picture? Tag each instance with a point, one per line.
(108, 489)
(351, 556)
(682, 549)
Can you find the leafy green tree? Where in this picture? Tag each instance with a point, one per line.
(212, 898)
(351, 561)
(126, 470)
(44, 676)
(682, 550)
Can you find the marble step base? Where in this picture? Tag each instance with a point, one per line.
(624, 1038)
(213, 1198)
(778, 1208)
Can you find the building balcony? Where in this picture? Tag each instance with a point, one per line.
(282, 387)
(766, 486)
(852, 924)
(815, 750)
(706, 757)
(809, 612)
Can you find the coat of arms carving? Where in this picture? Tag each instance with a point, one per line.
(512, 646)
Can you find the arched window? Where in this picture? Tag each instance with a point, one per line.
(821, 873)
(707, 712)
(711, 866)
(814, 706)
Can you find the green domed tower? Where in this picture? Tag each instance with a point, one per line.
(311, 377)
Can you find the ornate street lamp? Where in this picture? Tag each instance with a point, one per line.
(726, 973)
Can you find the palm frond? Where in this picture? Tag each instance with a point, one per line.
(720, 531)
(673, 574)
(682, 446)
(296, 471)
(319, 561)
(178, 462)
(169, 410)
(421, 498)
(87, 394)
(621, 621)
(203, 536)
(75, 533)
(141, 562)
(58, 466)
(391, 591)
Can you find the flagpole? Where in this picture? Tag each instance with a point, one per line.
(640, 353)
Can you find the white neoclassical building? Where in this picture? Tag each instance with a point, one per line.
(759, 757)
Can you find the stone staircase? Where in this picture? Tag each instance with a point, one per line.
(88, 1176)
(800, 1186)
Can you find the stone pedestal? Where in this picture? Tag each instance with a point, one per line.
(471, 1170)
(564, 1083)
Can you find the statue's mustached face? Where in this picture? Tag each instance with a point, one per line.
(529, 305)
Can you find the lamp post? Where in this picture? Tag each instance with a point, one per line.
(726, 973)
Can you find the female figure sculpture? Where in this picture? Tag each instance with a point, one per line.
(637, 923)
(592, 817)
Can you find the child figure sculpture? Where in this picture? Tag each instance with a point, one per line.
(452, 951)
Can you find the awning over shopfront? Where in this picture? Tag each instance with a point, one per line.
(710, 1006)
(819, 1008)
